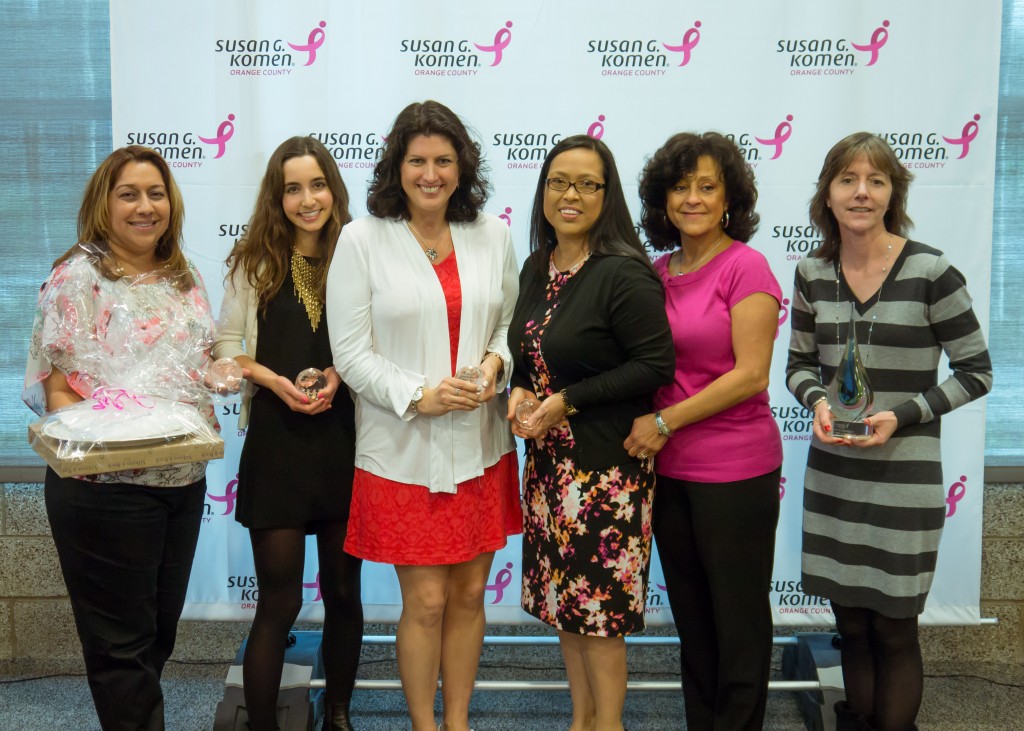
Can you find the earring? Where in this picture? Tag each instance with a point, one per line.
(725, 220)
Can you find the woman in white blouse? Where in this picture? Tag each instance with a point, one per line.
(418, 291)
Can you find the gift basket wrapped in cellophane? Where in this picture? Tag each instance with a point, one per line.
(137, 349)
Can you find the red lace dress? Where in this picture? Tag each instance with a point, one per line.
(392, 522)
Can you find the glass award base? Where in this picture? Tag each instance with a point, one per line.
(851, 430)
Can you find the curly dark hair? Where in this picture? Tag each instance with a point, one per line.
(677, 159)
(613, 232)
(840, 157)
(386, 199)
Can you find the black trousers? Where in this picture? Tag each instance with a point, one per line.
(716, 542)
(126, 554)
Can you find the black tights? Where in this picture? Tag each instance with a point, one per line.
(882, 666)
(279, 555)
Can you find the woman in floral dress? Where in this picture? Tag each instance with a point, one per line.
(590, 343)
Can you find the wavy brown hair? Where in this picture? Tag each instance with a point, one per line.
(386, 199)
(840, 157)
(94, 217)
(265, 250)
(677, 159)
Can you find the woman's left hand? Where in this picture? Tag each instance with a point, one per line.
(644, 441)
(884, 424)
(487, 380)
(550, 413)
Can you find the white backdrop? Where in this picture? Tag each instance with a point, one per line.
(216, 87)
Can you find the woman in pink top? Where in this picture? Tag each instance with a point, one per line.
(719, 452)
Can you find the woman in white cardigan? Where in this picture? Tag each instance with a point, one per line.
(417, 291)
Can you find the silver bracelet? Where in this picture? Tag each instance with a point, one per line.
(814, 406)
(662, 426)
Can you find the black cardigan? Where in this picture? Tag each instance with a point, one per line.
(608, 344)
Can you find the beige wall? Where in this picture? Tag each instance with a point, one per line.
(36, 622)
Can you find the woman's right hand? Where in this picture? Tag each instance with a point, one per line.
(296, 399)
(451, 394)
(516, 397)
(822, 424)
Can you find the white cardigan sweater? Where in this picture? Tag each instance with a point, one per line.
(236, 331)
(389, 333)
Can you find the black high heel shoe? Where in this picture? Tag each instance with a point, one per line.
(336, 719)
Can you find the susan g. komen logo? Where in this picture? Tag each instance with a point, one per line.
(501, 40)
(690, 40)
(228, 498)
(596, 128)
(783, 131)
(968, 134)
(456, 56)
(878, 39)
(315, 586)
(313, 42)
(225, 131)
(501, 582)
(957, 491)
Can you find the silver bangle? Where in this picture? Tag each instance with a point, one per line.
(662, 426)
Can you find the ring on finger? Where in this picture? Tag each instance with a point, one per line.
(642, 455)
(458, 391)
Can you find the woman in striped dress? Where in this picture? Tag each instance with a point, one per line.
(874, 509)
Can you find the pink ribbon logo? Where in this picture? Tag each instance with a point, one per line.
(783, 316)
(782, 133)
(782, 488)
(507, 217)
(313, 42)
(116, 398)
(224, 132)
(228, 498)
(690, 40)
(503, 579)
(967, 136)
(878, 39)
(501, 40)
(315, 584)
(956, 493)
(596, 130)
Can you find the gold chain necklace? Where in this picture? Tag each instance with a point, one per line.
(304, 280)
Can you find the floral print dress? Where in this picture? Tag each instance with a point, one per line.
(586, 534)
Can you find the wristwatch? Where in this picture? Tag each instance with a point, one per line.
(417, 396)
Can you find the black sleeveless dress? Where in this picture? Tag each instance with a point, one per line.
(295, 469)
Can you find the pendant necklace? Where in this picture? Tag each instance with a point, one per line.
(700, 261)
(878, 295)
(430, 251)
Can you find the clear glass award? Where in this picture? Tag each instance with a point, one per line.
(310, 381)
(224, 376)
(524, 410)
(470, 373)
(849, 394)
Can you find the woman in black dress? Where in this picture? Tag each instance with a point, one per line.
(295, 473)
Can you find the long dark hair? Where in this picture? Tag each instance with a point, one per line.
(264, 251)
(612, 234)
(386, 199)
(840, 157)
(677, 159)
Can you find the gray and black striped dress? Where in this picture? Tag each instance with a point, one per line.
(873, 517)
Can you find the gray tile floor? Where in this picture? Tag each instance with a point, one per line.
(958, 697)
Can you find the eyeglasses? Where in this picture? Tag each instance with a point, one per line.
(583, 187)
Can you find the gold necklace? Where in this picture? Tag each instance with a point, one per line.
(304, 284)
(431, 251)
(697, 263)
